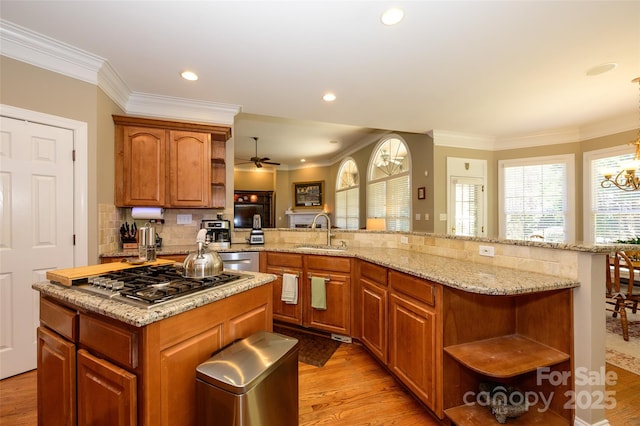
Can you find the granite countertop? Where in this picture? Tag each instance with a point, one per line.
(467, 276)
(140, 317)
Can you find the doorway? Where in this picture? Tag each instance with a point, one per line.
(466, 197)
(38, 220)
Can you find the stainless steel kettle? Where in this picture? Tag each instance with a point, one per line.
(203, 263)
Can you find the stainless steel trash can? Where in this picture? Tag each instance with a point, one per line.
(253, 382)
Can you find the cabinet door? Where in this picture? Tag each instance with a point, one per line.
(106, 393)
(190, 169)
(282, 311)
(412, 346)
(373, 317)
(250, 321)
(337, 317)
(140, 166)
(178, 375)
(56, 379)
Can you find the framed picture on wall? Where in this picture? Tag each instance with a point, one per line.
(308, 194)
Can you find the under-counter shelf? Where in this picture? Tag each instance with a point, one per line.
(505, 356)
(477, 415)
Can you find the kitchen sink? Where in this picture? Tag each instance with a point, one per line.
(321, 248)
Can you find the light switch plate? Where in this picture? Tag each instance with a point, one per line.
(443, 217)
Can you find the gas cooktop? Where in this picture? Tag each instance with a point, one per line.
(149, 286)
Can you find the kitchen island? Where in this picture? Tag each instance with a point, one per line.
(104, 362)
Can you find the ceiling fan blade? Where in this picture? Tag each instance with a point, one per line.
(273, 163)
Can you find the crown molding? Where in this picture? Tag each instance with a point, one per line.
(24, 45)
(180, 108)
(113, 85)
(462, 140)
(27, 46)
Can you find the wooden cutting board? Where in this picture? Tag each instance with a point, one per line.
(70, 276)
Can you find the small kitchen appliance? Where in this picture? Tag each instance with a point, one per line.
(147, 243)
(257, 235)
(218, 232)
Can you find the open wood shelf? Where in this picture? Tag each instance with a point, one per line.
(505, 356)
(476, 415)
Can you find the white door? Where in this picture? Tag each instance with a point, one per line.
(36, 229)
(466, 197)
(467, 206)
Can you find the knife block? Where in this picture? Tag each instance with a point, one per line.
(129, 243)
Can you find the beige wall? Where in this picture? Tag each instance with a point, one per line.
(492, 157)
(29, 87)
(254, 180)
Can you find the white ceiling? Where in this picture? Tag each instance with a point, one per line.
(496, 71)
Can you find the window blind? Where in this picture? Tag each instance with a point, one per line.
(535, 201)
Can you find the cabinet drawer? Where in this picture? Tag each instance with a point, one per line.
(63, 321)
(329, 263)
(417, 288)
(284, 259)
(375, 273)
(118, 344)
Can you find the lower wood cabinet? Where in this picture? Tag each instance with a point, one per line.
(177, 374)
(279, 264)
(414, 340)
(373, 302)
(56, 379)
(107, 394)
(336, 272)
(129, 375)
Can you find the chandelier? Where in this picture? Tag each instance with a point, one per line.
(626, 179)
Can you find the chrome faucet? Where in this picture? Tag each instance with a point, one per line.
(313, 225)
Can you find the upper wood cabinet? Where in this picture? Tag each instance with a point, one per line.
(169, 164)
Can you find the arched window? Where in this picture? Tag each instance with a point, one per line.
(388, 186)
(348, 196)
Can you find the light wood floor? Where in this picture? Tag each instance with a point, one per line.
(351, 389)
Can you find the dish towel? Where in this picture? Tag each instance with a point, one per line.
(318, 293)
(289, 289)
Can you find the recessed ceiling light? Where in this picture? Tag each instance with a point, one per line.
(602, 68)
(189, 75)
(329, 97)
(392, 16)
(302, 160)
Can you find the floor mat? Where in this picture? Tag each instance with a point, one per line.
(314, 349)
(621, 353)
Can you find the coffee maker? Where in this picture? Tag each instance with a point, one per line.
(218, 232)
(257, 235)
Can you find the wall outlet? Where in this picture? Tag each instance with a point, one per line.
(417, 216)
(486, 251)
(426, 216)
(184, 219)
(404, 240)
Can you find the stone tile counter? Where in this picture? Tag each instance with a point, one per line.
(469, 276)
(140, 317)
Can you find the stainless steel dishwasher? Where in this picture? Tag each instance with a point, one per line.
(241, 260)
(253, 382)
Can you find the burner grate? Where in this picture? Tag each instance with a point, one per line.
(151, 285)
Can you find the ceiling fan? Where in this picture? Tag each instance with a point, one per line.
(385, 159)
(259, 161)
